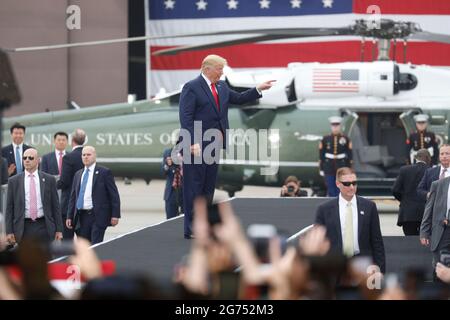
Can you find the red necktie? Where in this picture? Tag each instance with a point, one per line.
(60, 162)
(216, 96)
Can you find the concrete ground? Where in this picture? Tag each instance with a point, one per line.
(143, 205)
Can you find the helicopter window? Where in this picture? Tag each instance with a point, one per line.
(408, 81)
(383, 77)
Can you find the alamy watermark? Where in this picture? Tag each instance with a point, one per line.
(374, 20)
(251, 147)
(73, 21)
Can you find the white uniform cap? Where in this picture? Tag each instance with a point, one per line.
(335, 119)
(421, 118)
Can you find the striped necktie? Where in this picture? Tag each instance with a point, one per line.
(348, 231)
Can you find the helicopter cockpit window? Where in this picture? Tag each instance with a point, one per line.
(403, 81)
(408, 81)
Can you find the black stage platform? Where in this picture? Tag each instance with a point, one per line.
(156, 249)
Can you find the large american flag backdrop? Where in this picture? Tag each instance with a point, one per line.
(195, 16)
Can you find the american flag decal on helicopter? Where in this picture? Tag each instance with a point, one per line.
(335, 80)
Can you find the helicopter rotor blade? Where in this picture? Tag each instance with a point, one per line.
(429, 36)
(275, 34)
(176, 50)
(293, 32)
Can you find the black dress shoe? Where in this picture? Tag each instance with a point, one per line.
(189, 236)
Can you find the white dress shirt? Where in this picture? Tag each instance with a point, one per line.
(38, 194)
(447, 173)
(342, 216)
(87, 200)
(57, 154)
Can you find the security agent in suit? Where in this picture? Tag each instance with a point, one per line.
(13, 152)
(335, 151)
(435, 173)
(422, 139)
(204, 100)
(32, 208)
(71, 163)
(435, 228)
(94, 202)
(352, 222)
(405, 191)
(173, 193)
(51, 163)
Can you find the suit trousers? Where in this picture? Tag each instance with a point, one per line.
(36, 229)
(198, 180)
(330, 182)
(89, 229)
(411, 228)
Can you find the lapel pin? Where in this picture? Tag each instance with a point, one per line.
(96, 172)
(362, 213)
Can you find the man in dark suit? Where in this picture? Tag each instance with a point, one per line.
(94, 201)
(173, 192)
(435, 227)
(405, 191)
(52, 162)
(13, 152)
(352, 222)
(71, 163)
(432, 174)
(32, 207)
(204, 106)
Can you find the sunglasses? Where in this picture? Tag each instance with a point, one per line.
(348, 183)
(29, 158)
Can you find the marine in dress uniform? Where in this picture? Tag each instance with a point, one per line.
(335, 152)
(422, 139)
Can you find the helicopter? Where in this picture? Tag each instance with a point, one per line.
(378, 101)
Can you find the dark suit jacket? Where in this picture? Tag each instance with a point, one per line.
(435, 211)
(105, 197)
(369, 232)
(72, 162)
(15, 205)
(8, 152)
(49, 164)
(405, 191)
(197, 104)
(430, 175)
(4, 171)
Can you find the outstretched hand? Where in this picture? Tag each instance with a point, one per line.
(265, 85)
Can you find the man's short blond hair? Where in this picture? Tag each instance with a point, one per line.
(213, 60)
(343, 172)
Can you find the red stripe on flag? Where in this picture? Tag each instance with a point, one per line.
(280, 54)
(420, 7)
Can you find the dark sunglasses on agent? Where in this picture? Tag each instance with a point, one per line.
(28, 157)
(348, 183)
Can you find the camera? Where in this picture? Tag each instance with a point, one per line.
(290, 189)
(445, 258)
(213, 214)
(62, 248)
(260, 235)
